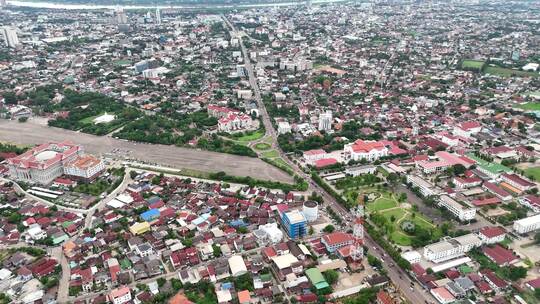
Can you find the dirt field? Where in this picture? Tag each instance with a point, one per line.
(34, 132)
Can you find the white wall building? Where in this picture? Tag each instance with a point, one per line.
(325, 121)
(426, 188)
(369, 150)
(527, 224)
(10, 37)
(451, 248)
(463, 213)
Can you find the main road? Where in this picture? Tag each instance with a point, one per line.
(32, 132)
(413, 292)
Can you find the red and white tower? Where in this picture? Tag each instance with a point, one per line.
(357, 249)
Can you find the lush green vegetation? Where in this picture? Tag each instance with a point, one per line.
(530, 106)
(158, 129)
(472, 65)
(533, 173)
(357, 181)
(217, 144)
(365, 296)
(9, 148)
(507, 72)
(300, 184)
(262, 146)
(248, 136)
(84, 107)
(270, 154)
(378, 237)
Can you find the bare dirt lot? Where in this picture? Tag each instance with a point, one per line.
(176, 157)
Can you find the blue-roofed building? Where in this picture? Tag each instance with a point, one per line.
(294, 223)
(237, 223)
(150, 215)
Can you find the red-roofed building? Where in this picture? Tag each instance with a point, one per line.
(369, 150)
(531, 201)
(501, 256)
(384, 298)
(492, 235)
(533, 284)
(517, 182)
(325, 162)
(312, 156)
(335, 240)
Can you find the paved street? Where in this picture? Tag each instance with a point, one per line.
(401, 280)
(176, 157)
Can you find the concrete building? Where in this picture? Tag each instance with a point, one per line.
(325, 121)
(451, 248)
(85, 167)
(120, 295)
(237, 265)
(10, 37)
(294, 223)
(368, 150)
(335, 240)
(527, 224)
(462, 212)
(425, 187)
(43, 163)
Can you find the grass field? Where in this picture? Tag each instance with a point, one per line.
(472, 64)
(251, 137)
(90, 120)
(388, 207)
(534, 173)
(530, 106)
(262, 146)
(506, 72)
(270, 154)
(382, 203)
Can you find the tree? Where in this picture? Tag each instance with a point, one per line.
(537, 293)
(161, 281)
(329, 229)
(133, 174)
(459, 169)
(216, 250)
(331, 276)
(537, 238)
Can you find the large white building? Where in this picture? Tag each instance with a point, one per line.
(230, 120)
(369, 150)
(451, 248)
(10, 36)
(426, 188)
(325, 121)
(463, 213)
(44, 163)
(527, 224)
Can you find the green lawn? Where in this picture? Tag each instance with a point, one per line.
(381, 203)
(472, 64)
(530, 106)
(281, 162)
(506, 72)
(270, 154)
(262, 146)
(534, 173)
(251, 137)
(90, 120)
(398, 213)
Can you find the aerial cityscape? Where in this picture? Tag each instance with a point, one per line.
(270, 151)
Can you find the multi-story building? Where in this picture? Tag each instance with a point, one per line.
(230, 120)
(527, 224)
(10, 36)
(325, 121)
(369, 150)
(451, 248)
(492, 235)
(43, 163)
(335, 240)
(517, 182)
(294, 223)
(426, 188)
(85, 167)
(120, 295)
(463, 213)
